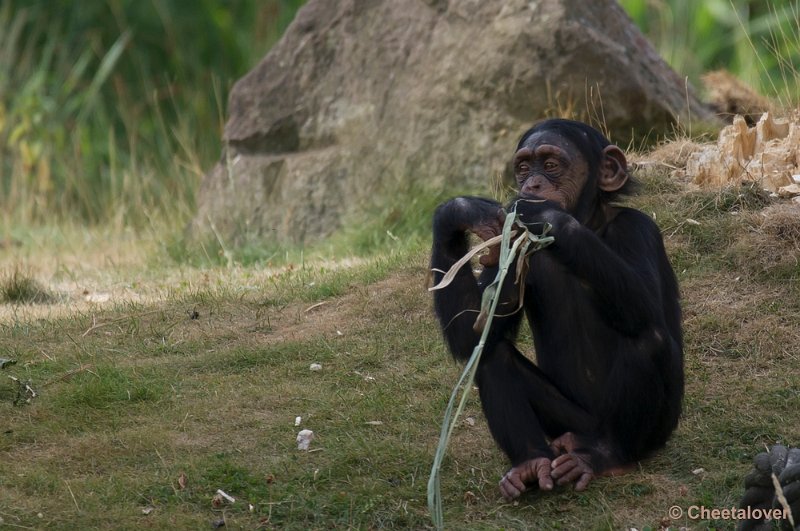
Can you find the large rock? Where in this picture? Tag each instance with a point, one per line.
(362, 97)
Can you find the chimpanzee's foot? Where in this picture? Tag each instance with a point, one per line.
(532, 472)
(574, 463)
(573, 467)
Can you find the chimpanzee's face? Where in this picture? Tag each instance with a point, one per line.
(548, 166)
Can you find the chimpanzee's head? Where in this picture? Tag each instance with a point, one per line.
(570, 163)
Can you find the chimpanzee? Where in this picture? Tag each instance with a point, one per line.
(603, 306)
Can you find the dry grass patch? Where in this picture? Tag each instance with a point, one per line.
(666, 157)
(21, 287)
(771, 245)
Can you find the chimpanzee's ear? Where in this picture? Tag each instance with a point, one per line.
(613, 173)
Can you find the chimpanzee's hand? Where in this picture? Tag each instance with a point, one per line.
(454, 218)
(474, 214)
(534, 213)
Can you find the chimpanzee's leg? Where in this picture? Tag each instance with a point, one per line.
(525, 411)
(522, 406)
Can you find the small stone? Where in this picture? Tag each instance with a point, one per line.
(304, 439)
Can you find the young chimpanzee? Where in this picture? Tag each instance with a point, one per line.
(602, 304)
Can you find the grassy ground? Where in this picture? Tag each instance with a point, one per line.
(157, 385)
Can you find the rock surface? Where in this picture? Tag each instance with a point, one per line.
(366, 97)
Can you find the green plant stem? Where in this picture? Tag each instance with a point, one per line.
(525, 244)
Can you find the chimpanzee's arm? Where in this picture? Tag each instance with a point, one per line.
(458, 304)
(621, 263)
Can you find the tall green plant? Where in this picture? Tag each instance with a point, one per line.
(110, 110)
(757, 40)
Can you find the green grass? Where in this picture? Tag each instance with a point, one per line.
(204, 376)
(397, 222)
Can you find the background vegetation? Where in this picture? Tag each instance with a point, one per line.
(757, 40)
(110, 111)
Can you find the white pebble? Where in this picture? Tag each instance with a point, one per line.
(304, 439)
(315, 367)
